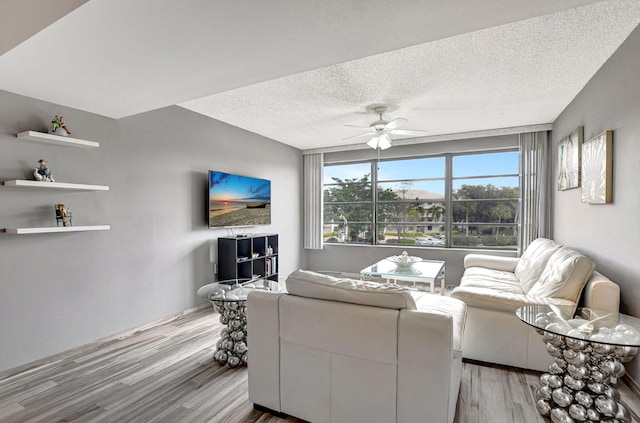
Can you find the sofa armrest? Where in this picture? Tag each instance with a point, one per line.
(601, 293)
(494, 299)
(506, 264)
(263, 340)
(426, 353)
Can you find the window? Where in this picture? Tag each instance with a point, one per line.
(453, 200)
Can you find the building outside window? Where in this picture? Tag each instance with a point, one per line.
(451, 200)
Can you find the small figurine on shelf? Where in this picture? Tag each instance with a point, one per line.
(58, 127)
(63, 215)
(42, 172)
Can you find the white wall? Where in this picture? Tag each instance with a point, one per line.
(608, 233)
(58, 291)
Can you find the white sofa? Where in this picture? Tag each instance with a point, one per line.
(344, 350)
(494, 287)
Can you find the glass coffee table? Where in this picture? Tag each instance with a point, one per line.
(588, 349)
(420, 274)
(229, 298)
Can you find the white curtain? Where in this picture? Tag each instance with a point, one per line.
(313, 164)
(535, 187)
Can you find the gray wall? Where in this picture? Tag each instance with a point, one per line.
(608, 233)
(59, 291)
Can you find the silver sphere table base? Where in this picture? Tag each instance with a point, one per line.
(231, 349)
(579, 384)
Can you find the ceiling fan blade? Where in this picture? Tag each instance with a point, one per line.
(395, 123)
(415, 132)
(357, 136)
(368, 128)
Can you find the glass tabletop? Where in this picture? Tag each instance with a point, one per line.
(585, 324)
(427, 269)
(231, 290)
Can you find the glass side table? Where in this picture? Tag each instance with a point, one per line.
(229, 298)
(588, 348)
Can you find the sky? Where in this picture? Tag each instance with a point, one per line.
(224, 186)
(504, 163)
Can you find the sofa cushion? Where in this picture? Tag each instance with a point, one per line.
(304, 283)
(494, 299)
(564, 276)
(533, 261)
(481, 277)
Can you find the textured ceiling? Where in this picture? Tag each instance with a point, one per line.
(298, 72)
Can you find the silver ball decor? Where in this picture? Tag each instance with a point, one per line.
(554, 351)
(555, 381)
(584, 399)
(560, 415)
(233, 361)
(606, 406)
(593, 415)
(239, 348)
(220, 356)
(543, 407)
(231, 349)
(577, 372)
(227, 344)
(238, 335)
(544, 393)
(579, 386)
(578, 412)
(562, 397)
(245, 358)
(544, 379)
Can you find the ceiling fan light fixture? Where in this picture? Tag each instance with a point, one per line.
(382, 142)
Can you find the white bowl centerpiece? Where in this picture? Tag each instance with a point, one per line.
(404, 261)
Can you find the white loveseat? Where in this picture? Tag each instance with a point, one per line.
(494, 287)
(344, 350)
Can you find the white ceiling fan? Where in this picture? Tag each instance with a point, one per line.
(380, 130)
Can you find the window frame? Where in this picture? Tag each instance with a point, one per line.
(448, 200)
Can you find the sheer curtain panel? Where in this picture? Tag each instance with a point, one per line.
(534, 187)
(313, 164)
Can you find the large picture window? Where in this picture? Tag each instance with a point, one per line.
(452, 200)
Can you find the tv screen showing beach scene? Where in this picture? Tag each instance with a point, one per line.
(236, 200)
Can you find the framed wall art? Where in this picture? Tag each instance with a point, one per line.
(569, 160)
(597, 169)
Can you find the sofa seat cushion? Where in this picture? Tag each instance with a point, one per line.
(305, 283)
(564, 276)
(431, 303)
(533, 261)
(481, 277)
(494, 299)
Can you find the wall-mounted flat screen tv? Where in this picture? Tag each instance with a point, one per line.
(236, 200)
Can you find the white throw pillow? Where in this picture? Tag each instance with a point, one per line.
(564, 276)
(305, 283)
(533, 262)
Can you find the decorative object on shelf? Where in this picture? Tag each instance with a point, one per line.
(42, 172)
(63, 215)
(404, 261)
(58, 127)
(569, 160)
(597, 169)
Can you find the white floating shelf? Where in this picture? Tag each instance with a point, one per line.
(51, 229)
(56, 139)
(55, 185)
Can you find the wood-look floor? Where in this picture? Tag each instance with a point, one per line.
(165, 373)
